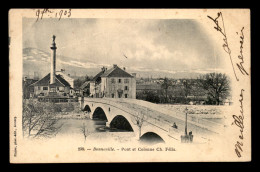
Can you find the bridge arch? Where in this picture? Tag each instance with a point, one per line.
(151, 138)
(120, 122)
(99, 113)
(87, 108)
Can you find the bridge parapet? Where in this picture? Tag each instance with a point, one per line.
(213, 126)
(156, 122)
(158, 119)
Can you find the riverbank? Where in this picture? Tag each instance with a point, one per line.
(72, 115)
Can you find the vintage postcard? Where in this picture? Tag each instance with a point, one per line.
(129, 85)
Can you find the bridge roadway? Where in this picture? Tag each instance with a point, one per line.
(158, 120)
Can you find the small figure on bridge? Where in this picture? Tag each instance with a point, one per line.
(174, 125)
(190, 136)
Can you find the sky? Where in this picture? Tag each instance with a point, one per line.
(165, 45)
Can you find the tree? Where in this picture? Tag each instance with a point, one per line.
(78, 83)
(39, 120)
(165, 86)
(85, 131)
(138, 121)
(187, 87)
(88, 78)
(216, 86)
(152, 97)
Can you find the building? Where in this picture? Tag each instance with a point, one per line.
(84, 89)
(66, 76)
(28, 89)
(113, 83)
(59, 88)
(55, 86)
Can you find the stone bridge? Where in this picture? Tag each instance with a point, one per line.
(157, 122)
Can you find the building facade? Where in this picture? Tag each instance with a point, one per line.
(66, 77)
(43, 88)
(113, 83)
(54, 86)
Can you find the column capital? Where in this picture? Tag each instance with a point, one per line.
(53, 47)
(53, 43)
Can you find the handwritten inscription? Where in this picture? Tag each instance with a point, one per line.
(222, 30)
(239, 122)
(238, 119)
(241, 56)
(41, 13)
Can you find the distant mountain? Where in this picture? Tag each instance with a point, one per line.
(38, 62)
(35, 60)
(177, 75)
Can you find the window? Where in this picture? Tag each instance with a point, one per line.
(53, 89)
(126, 88)
(125, 95)
(39, 88)
(112, 95)
(41, 94)
(113, 80)
(126, 81)
(119, 80)
(45, 88)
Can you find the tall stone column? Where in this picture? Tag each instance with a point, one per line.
(53, 61)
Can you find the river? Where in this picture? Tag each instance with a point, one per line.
(98, 132)
(74, 126)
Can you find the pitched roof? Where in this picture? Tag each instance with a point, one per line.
(85, 84)
(116, 72)
(97, 76)
(62, 80)
(28, 82)
(59, 81)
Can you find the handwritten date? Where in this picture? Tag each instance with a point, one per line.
(41, 13)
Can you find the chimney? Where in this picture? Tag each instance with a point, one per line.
(103, 69)
(114, 65)
(35, 75)
(53, 60)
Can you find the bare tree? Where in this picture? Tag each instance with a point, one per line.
(85, 132)
(138, 121)
(216, 86)
(187, 87)
(39, 120)
(165, 86)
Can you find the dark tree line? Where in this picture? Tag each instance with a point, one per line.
(81, 80)
(210, 88)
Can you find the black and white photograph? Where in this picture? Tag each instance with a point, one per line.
(130, 85)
